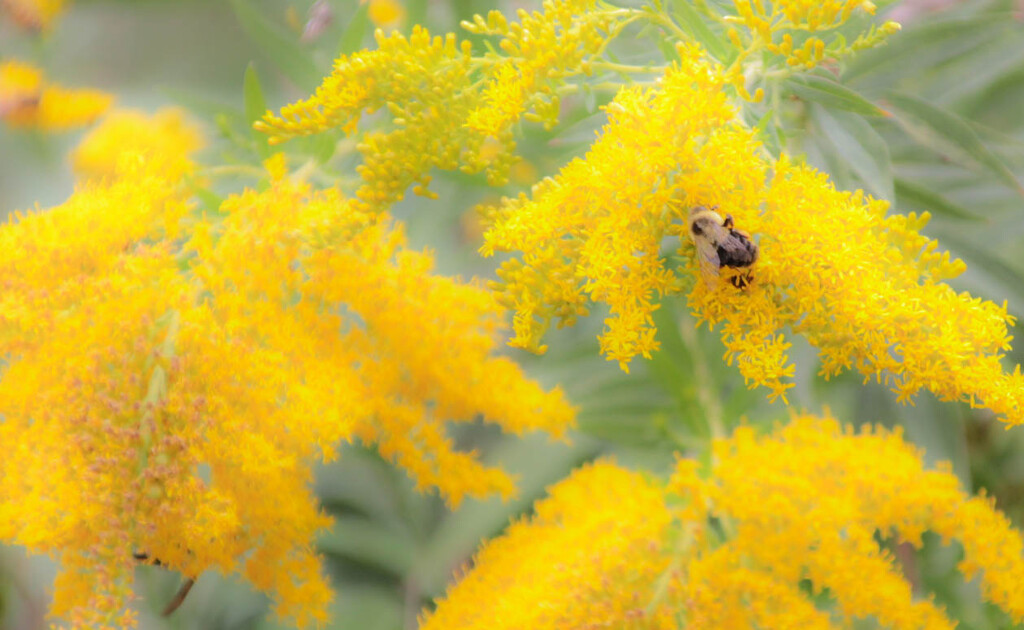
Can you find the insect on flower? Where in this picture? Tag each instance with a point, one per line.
(719, 244)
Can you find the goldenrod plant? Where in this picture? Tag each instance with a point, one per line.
(424, 330)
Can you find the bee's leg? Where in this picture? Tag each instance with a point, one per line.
(741, 280)
(727, 224)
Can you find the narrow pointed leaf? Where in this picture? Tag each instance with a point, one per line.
(927, 199)
(833, 95)
(285, 51)
(860, 147)
(355, 30)
(949, 135)
(255, 107)
(695, 24)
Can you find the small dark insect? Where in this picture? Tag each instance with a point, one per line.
(719, 244)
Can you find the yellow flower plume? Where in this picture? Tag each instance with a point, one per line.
(172, 399)
(594, 232)
(782, 531)
(448, 109)
(864, 288)
(413, 348)
(87, 453)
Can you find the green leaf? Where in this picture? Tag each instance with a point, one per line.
(626, 412)
(927, 199)
(987, 275)
(365, 605)
(255, 107)
(939, 429)
(768, 132)
(201, 106)
(833, 95)
(653, 33)
(922, 49)
(355, 31)
(858, 145)
(209, 201)
(949, 135)
(416, 11)
(370, 542)
(694, 23)
(672, 366)
(977, 73)
(589, 99)
(323, 146)
(538, 464)
(283, 50)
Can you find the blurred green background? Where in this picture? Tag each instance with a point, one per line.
(953, 81)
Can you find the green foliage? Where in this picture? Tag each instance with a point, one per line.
(931, 121)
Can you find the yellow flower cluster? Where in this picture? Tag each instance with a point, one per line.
(34, 15)
(28, 100)
(171, 399)
(543, 50)
(808, 502)
(86, 454)
(165, 139)
(781, 532)
(444, 112)
(866, 289)
(423, 81)
(364, 330)
(590, 557)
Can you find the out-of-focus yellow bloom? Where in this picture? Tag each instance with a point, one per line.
(166, 139)
(28, 100)
(445, 111)
(590, 557)
(35, 15)
(86, 448)
(419, 354)
(385, 12)
(51, 258)
(781, 531)
(173, 400)
(865, 289)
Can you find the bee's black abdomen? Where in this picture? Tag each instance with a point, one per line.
(737, 251)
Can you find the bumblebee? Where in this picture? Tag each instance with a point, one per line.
(719, 244)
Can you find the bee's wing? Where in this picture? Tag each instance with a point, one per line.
(707, 257)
